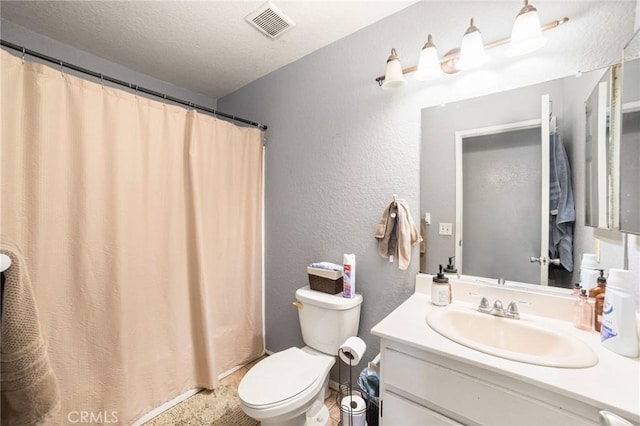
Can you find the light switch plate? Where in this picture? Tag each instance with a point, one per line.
(445, 228)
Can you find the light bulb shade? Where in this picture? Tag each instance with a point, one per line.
(393, 76)
(526, 35)
(429, 64)
(472, 52)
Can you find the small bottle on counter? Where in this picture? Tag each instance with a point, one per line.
(441, 290)
(576, 289)
(589, 271)
(582, 312)
(598, 295)
(601, 283)
(598, 308)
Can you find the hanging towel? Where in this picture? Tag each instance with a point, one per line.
(560, 199)
(29, 391)
(396, 233)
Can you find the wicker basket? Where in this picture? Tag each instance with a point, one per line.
(325, 281)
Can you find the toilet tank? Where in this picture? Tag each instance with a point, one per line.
(327, 320)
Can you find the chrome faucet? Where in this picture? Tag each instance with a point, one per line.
(497, 309)
(512, 310)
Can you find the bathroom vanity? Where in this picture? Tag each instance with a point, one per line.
(429, 379)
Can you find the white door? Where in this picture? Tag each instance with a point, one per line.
(514, 252)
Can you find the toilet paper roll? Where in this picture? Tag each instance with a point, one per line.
(353, 408)
(352, 350)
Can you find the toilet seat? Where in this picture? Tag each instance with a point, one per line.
(280, 377)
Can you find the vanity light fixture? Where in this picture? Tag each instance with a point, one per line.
(472, 53)
(526, 35)
(525, 38)
(429, 64)
(393, 77)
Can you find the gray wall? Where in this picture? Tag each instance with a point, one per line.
(337, 149)
(26, 38)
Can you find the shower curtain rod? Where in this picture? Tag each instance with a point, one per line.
(102, 77)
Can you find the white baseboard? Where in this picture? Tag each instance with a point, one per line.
(178, 399)
(164, 407)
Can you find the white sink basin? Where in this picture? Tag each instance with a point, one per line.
(512, 339)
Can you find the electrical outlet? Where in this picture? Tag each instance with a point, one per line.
(445, 228)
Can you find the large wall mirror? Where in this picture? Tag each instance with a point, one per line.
(630, 138)
(483, 163)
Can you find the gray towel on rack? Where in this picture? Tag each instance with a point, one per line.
(560, 199)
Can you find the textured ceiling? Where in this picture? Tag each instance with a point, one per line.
(204, 46)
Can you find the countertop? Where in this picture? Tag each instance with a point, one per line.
(613, 384)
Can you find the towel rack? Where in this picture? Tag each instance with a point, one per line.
(5, 262)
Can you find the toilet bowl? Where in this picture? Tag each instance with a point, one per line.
(288, 388)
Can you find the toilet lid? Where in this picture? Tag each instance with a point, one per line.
(279, 377)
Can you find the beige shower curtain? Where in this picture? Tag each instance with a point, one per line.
(140, 224)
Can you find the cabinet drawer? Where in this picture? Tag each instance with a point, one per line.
(402, 412)
(466, 398)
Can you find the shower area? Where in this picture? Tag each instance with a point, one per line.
(140, 225)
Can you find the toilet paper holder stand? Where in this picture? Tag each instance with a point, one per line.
(353, 412)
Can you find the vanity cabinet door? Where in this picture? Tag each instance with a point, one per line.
(399, 411)
(465, 398)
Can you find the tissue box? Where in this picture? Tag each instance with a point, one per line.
(324, 280)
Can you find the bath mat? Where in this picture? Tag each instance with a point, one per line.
(208, 407)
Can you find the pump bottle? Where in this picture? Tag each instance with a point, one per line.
(440, 290)
(619, 333)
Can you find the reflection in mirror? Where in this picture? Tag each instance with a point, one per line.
(597, 145)
(484, 252)
(630, 139)
(502, 164)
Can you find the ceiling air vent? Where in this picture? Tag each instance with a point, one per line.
(270, 20)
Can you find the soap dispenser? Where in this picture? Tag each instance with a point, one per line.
(451, 270)
(582, 312)
(440, 290)
(601, 282)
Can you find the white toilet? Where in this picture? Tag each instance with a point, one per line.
(289, 387)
